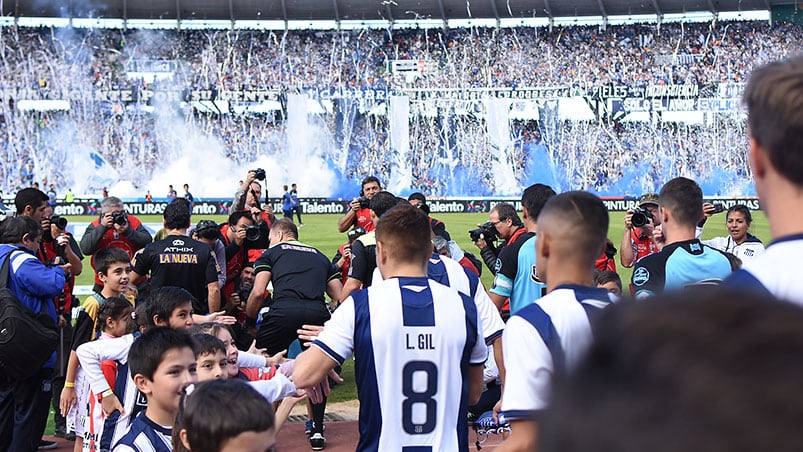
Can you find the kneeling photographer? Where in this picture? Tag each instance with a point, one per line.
(243, 244)
(504, 223)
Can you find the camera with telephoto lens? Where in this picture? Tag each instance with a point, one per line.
(641, 216)
(259, 174)
(364, 202)
(119, 217)
(487, 230)
(59, 221)
(252, 233)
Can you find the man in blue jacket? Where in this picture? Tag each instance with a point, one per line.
(24, 403)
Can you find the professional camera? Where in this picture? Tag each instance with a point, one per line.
(487, 230)
(259, 174)
(355, 233)
(641, 216)
(59, 221)
(119, 217)
(364, 202)
(252, 233)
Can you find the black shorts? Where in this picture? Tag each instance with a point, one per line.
(279, 326)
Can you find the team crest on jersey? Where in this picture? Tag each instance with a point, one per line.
(641, 276)
(178, 242)
(534, 275)
(497, 265)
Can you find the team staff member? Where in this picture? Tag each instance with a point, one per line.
(515, 268)
(363, 250)
(508, 227)
(300, 275)
(180, 261)
(130, 236)
(684, 261)
(638, 242)
(360, 217)
(417, 343)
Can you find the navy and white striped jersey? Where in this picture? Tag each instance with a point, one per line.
(412, 357)
(543, 338)
(450, 273)
(144, 435)
(775, 272)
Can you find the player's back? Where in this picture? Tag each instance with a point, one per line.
(412, 362)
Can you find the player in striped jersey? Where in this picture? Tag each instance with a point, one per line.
(774, 116)
(550, 335)
(418, 362)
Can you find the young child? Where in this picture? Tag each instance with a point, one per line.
(163, 363)
(223, 415)
(212, 363)
(223, 333)
(87, 417)
(113, 269)
(169, 307)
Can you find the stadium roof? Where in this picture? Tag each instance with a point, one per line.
(339, 10)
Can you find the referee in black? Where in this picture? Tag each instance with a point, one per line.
(300, 275)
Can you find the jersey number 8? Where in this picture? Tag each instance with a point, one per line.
(413, 397)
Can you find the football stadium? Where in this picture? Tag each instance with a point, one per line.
(270, 126)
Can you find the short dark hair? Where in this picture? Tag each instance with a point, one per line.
(207, 229)
(406, 232)
(774, 99)
(166, 299)
(207, 344)
(607, 276)
(583, 217)
(286, 226)
(177, 214)
(534, 198)
(29, 197)
(382, 202)
(219, 410)
(235, 216)
(15, 228)
(148, 351)
(684, 198)
(744, 210)
(105, 257)
(700, 370)
(368, 180)
(506, 211)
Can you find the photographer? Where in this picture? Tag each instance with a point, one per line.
(207, 231)
(342, 257)
(359, 214)
(115, 228)
(515, 267)
(61, 248)
(637, 241)
(417, 199)
(504, 222)
(248, 197)
(235, 235)
(739, 241)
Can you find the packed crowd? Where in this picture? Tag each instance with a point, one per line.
(606, 157)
